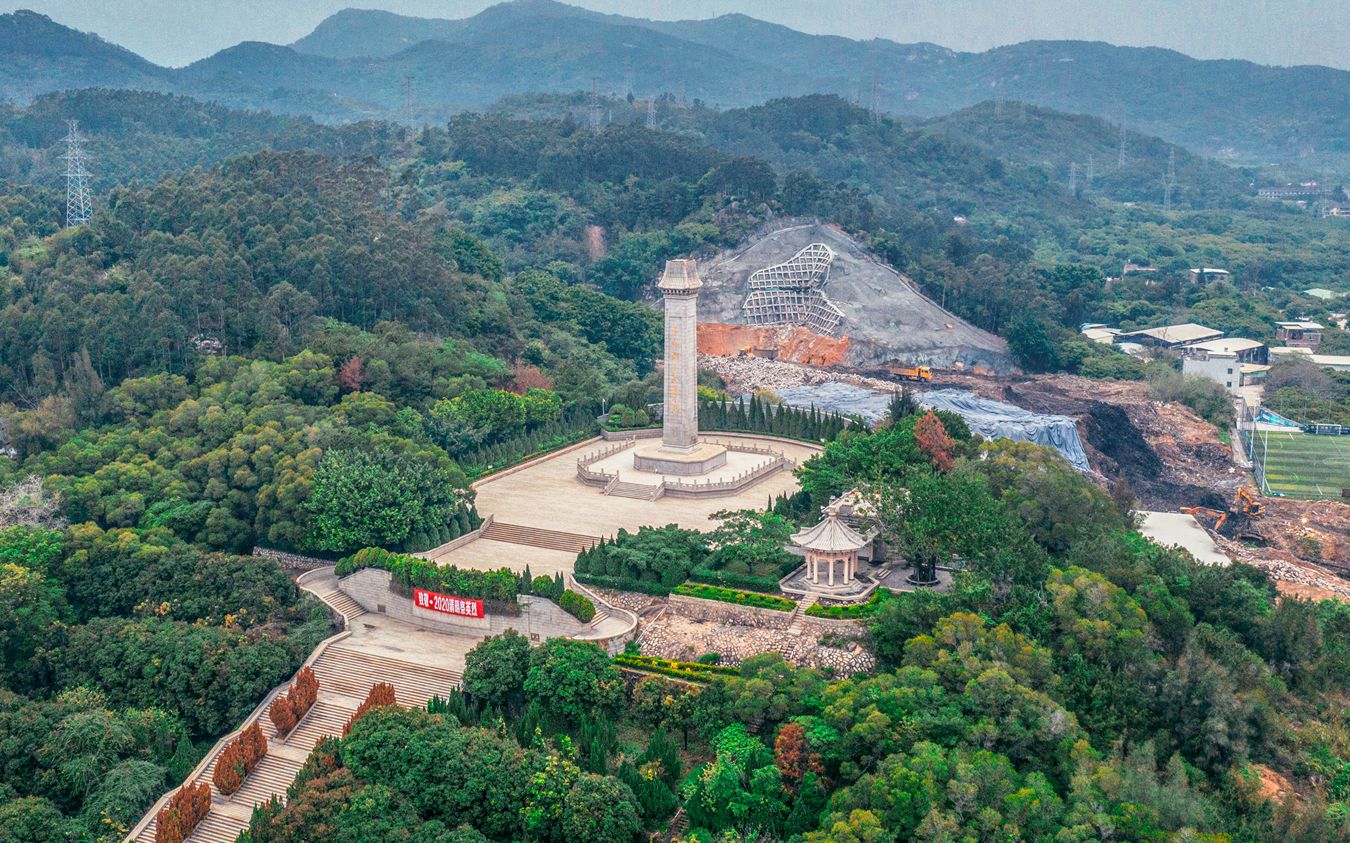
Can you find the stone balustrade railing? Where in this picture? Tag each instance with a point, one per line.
(682, 488)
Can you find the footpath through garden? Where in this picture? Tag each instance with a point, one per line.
(372, 648)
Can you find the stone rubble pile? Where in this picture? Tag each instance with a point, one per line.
(676, 637)
(1283, 571)
(746, 374)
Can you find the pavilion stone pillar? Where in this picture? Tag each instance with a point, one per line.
(680, 285)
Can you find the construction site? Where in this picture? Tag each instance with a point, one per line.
(806, 292)
(1173, 460)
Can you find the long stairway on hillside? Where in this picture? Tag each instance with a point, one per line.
(346, 670)
(539, 537)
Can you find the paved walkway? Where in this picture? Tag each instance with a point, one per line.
(418, 663)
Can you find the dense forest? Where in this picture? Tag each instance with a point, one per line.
(312, 339)
(1076, 683)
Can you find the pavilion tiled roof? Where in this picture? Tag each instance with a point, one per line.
(830, 536)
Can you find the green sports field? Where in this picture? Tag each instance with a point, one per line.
(1302, 466)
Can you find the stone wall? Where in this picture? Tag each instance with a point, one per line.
(538, 619)
(729, 613)
(292, 561)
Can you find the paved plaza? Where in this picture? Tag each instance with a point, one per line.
(545, 494)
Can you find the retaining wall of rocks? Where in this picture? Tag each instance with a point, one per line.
(719, 612)
(292, 561)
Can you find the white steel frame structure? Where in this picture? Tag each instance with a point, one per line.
(789, 293)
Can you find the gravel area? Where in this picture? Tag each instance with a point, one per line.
(673, 636)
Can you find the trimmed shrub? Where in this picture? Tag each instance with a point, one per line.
(744, 582)
(852, 612)
(654, 589)
(409, 572)
(229, 772)
(381, 694)
(740, 598)
(254, 746)
(176, 821)
(304, 692)
(282, 714)
(577, 605)
(692, 671)
(239, 758)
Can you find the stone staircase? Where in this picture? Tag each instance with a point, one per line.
(325, 719)
(350, 673)
(539, 537)
(345, 605)
(799, 615)
(345, 675)
(636, 491)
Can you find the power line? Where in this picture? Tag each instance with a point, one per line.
(79, 201)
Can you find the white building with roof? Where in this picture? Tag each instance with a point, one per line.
(1231, 362)
(1172, 336)
(1208, 275)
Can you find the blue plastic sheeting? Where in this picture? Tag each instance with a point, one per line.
(998, 420)
(990, 419)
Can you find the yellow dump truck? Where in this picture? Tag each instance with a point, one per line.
(922, 374)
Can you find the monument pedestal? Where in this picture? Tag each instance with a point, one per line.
(701, 459)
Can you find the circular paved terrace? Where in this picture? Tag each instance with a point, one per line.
(545, 494)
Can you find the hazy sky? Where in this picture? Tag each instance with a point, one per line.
(176, 32)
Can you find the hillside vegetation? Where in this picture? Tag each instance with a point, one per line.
(357, 63)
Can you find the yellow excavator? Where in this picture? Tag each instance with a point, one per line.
(1246, 502)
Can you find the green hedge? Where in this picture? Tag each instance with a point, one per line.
(622, 584)
(744, 582)
(740, 598)
(577, 605)
(693, 671)
(409, 572)
(855, 611)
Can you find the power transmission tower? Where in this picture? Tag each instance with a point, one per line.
(1120, 161)
(1170, 180)
(651, 113)
(1073, 178)
(595, 104)
(1091, 173)
(876, 88)
(408, 98)
(79, 201)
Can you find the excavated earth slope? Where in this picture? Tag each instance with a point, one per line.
(886, 319)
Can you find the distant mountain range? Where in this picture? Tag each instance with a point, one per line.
(367, 64)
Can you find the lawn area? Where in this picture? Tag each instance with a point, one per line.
(1303, 466)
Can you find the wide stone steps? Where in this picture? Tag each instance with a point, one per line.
(344, 604)
(637, 491)
(325, 719)
(352, 674)
(216, 828)
(538, 537)
(273, 775)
